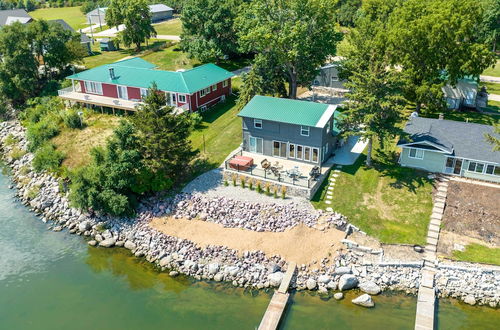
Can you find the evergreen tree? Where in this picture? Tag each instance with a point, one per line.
(494, 139)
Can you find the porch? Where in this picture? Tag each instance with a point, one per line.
(98, 100)
(302, 179)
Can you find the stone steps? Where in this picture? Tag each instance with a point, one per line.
(441, 195)
(431, 248)
(432, 241)
(435, 222)
(434, 228)
(437, 215)
(433, 234)
(442, 189)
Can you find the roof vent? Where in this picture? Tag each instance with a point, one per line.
(441, 116)
(112, 73)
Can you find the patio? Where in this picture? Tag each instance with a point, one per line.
(281, 170)
(104, 101)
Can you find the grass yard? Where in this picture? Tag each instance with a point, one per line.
(217, 135)
(72, 15)
(479, 253)
(473, 117)
(76, 144)
(493, 71)
(389, 202)
(170, 58)
(171, 27)
(491, 88)
(493, 106)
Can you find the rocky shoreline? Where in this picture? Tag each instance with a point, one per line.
(45, 195)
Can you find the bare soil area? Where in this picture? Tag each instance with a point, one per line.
(473, 211)
(301, 244)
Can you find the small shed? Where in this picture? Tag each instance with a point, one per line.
(107, 45)
(160, 12)
(84, 39)
(463, 94)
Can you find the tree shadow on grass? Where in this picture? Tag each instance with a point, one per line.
(387, 165)
(212, 114)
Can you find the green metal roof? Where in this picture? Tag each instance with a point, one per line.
(284, 110)
(137, 72)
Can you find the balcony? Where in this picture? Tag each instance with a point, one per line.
(99, 100)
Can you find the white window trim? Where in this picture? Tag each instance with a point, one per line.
(214, 88)
(89, 90)
(286, 150)
(118, 93)
(225, 83)
(416, 153)
(143, 92)
(182, 96)
(294, 150)
(304, 128)
(301, 153)
(312, 153)
(257, 121)
(256, 144)
(205, 92)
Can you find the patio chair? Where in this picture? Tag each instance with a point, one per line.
(265, 164)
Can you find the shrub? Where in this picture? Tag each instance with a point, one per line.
(33, 192)
(259, 187)
(250, 185)
(47, 158)
(17, 153)
(283, 192)
(72, 120)
(268, 189)
(234, 180)
(196, 119)
(275, 193)
(40, 132)
(226, 183)
(243, 181)
(24, 170)
(10, 140)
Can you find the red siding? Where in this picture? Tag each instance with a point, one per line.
(134, 93)
(109, 90)
(212, 97)
(82, 85)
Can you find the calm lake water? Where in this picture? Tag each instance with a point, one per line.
(55, 281)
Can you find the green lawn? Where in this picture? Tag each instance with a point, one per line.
(491, 88)
(473, 117)
(479, 253)
(72, 15)
(171, 27)
(170, 58)
(217, 135)
(494, 71)
(493, 106)
(100, 58)
(387, 201)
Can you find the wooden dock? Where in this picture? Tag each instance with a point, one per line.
(276, 307)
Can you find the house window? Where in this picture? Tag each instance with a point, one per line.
(122, 92)
(205, 91)
(476, 167)
(256, 145)
(225, 83)
(307, 154)
(416, 153)
(174, 98)
(299, 152)
(257, 123)
(291, 150)
(328, 128)
(315, 154)
(93, 87)
(144, 93)
(304, 130)
(182, 98)
(214, 88)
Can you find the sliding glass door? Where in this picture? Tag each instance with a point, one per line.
(279, 149)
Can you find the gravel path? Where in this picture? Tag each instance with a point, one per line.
(210, 184)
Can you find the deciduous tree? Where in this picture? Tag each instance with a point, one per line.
(208, 32)
(299, 34)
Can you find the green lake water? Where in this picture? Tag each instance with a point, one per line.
(54, 280)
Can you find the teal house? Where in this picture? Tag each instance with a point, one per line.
(450, 147)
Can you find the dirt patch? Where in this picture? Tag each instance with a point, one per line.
(77, 143)
(376, 201)
(448, 241)
(301, 244)
(473, 211)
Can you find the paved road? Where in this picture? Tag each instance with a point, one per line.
(494, 97)
(490, 79)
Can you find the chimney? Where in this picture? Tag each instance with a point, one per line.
(112, 73)
(441, 116)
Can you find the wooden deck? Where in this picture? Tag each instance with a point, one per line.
(277, 306)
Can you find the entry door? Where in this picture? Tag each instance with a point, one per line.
(458, 166)
(168, 97)
(279, 149)
(256, 145)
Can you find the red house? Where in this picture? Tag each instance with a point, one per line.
(123, 84)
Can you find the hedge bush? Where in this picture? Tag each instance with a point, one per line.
(47, 158)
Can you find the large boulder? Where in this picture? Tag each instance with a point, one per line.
(364, 300)
(323, 279)
(370, 288)
(165, 261)
(470, 300)
(311, 284)
(83, 226)
(347, 282)
(108, 242)
(275, 278)
(342, 271)
(129, 245)
(213, 268)
(338, 295)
